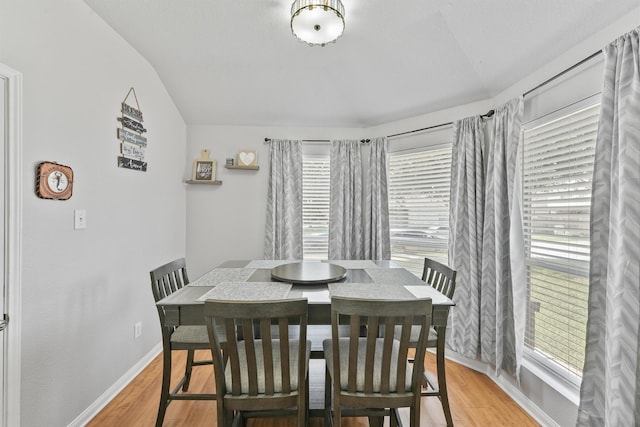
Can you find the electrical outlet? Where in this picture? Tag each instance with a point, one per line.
(137, 330)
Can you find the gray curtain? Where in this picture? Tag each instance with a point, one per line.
(610, 393)
(488, 321)
(283, 231)
(502, 314)
(377, 243)
(466, 222)
(345, 207)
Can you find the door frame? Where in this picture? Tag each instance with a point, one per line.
(13, 245)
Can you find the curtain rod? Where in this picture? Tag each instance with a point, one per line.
(488, 115)
(563, 72)
(491, 112)
(364, 141)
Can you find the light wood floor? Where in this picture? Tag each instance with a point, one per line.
(474, 398)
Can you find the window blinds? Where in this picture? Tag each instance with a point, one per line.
(419, 184)
(315, 206)
(557, 169)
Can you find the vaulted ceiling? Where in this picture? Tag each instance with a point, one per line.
(235, 62)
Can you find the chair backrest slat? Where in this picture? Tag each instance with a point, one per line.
(440, 277)
(267, 354)
(385, 383)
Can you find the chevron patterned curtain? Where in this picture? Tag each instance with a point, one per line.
(488, 321)
(610, 393)
(345, 207)
(502, 314)
(283, 231)
(466, 207)
(377, 244)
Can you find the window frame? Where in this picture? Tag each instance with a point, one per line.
(561, 379)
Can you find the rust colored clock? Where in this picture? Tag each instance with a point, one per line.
(54, 181)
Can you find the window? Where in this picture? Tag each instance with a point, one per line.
(558, 155)
(419, 182)
(315, 206)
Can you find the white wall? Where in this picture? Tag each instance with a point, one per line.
(84, 290)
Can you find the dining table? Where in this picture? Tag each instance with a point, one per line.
(316, 280)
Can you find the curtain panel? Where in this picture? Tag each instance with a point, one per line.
(359, 206)
(489, 318)
(283, 231)
(466, 207)
(610, 392)
(502, 314)
(345, 200)
(377, 244)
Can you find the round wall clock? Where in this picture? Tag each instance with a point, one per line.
(54, 181)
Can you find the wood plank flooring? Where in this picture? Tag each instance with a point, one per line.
(475, 401)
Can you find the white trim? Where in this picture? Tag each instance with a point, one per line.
(559, 381)
(13, 249)
(510, 389)
(106, 397)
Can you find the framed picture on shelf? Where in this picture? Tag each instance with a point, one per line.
(204, 168)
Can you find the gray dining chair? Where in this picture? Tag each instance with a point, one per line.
(166, 280)
(443, 279)
(266, 374)
(371, 375)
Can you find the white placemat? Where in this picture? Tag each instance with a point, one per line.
(353, 264)
(426, 291)
(369, 291)
(219, 275)
(317, 296)
(393, 276)
(248, 291)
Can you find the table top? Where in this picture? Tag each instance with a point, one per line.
(251, 280)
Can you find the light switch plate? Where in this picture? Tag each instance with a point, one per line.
(80, 219)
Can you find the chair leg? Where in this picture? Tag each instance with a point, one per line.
(327, 399)
(442, 379)
(164, 390)
(414, 420)
(303, 406)
(187, 370)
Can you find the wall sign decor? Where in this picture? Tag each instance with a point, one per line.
(204, 168)
(54, 181)
(247, 158)
(133, 145)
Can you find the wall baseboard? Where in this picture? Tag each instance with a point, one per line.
(106, 397)
(508, 387)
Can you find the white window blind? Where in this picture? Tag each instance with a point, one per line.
(418, 185)
(315, 206)
(557, 166)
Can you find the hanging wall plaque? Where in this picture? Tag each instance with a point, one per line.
(132, 144)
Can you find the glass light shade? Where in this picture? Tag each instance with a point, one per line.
(317, 22)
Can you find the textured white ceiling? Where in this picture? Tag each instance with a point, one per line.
(235, 62)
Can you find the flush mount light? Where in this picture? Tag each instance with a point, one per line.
(317, 22)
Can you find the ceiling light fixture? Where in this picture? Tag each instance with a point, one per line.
(317, 22)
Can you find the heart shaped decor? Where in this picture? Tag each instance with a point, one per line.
(246, 158)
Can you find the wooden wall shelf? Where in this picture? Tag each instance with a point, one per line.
(191, 181)
(249, 168)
